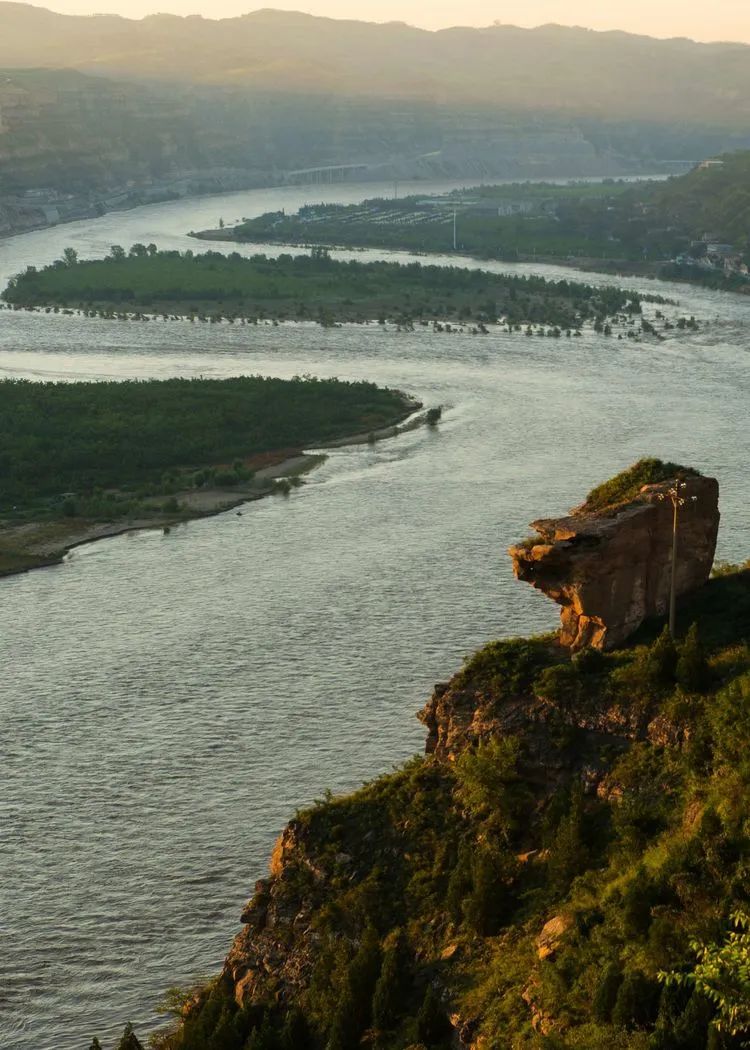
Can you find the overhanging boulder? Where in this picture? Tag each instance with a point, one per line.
(609, 565)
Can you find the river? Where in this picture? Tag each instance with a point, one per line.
(168, 701)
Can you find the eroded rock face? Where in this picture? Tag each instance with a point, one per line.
(611, 570)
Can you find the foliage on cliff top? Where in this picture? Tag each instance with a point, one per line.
(419, 901)
(626, 485)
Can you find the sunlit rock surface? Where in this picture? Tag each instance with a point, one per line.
(610, 570)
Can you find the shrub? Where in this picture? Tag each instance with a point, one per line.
(561, 685)
(589, 661)
(626, 485)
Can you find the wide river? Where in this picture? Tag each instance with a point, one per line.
(168, 701)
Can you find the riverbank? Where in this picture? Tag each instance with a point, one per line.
(42, 544)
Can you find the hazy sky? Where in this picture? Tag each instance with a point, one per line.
(717, 20)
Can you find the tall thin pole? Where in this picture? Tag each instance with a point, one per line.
(677, 499)
(455, 245)
(673, 582)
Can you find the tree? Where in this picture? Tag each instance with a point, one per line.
(693, 673)
(661, 659)
(569, 855)
(138, 251)
(152, 249)
(433, 1026)
(262, 1037)
(605, 995)
(95, 1044)
(489, 785)
(354, 1010)
(345, 1032)
(722, 975)
(489, 905)
(295, 1035)
(392, 986)
(117, 252)
(636, 1003)
(70, 257)
(129, 1041)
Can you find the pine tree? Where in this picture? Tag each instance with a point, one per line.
(636, 1002)
(693, 673)
(345, 1032)
(363, 975)
(433, 1026)
(128, 1041)
(661, 659)
(569, 854)
(391, 990)
(459, 885)
(605, 995)
(262, 1037)
(295, 1035)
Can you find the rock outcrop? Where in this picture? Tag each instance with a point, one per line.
(611, 569)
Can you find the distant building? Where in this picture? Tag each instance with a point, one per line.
(713, 162)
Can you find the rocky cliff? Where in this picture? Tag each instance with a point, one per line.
(577, 823)
(609, 567)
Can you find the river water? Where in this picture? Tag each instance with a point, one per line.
(168, 701)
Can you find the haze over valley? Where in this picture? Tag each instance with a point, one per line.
(349, 371)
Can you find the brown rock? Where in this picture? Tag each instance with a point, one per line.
(552, 934)
(611, 570)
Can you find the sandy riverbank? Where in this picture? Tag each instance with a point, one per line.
(40, 544)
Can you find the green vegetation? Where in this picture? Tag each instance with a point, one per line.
(626, 485)
(315, 287)
(575, 878)
(73, 454)
(664, 228)
(487, 224)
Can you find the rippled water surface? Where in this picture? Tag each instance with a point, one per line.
(167, 701)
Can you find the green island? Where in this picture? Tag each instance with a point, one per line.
(566, 868)
(145, 282)
(79, 461)
(693, 227)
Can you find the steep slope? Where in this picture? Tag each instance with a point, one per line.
(540, 879)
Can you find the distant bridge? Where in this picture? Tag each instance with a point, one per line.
(326, 174)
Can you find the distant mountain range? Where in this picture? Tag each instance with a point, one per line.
(551, 69)
(103, 112)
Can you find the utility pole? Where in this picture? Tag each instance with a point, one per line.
(455, 245)
(677, 499)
